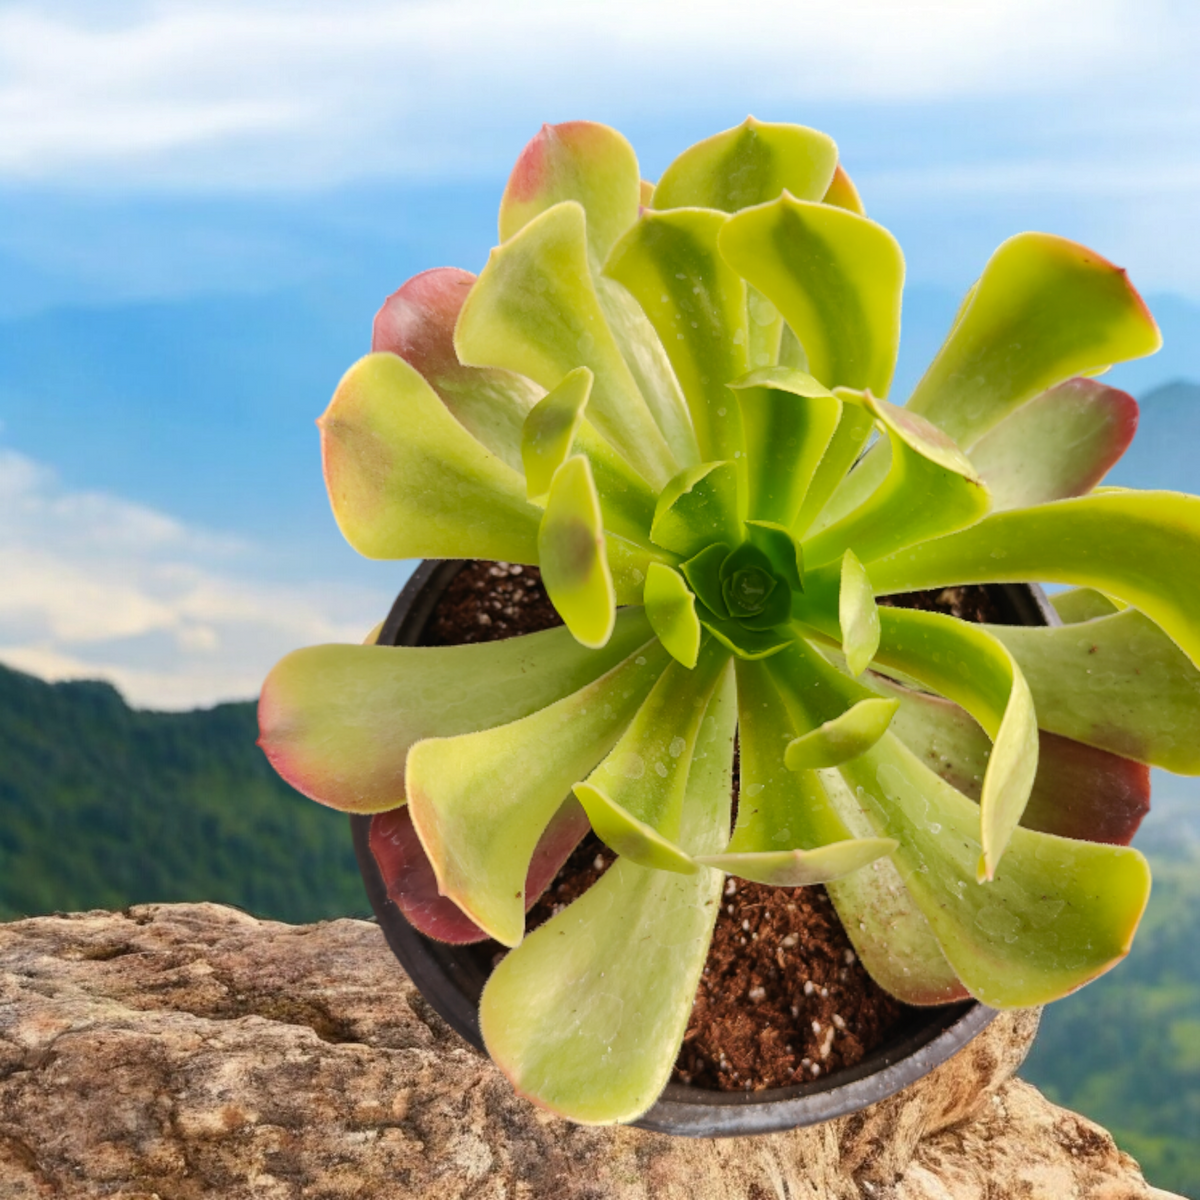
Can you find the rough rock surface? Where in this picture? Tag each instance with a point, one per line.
(186, 1051)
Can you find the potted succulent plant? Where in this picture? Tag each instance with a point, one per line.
(665, 397)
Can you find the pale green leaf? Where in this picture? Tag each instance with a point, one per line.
(417, 323)
(584, 161)
(406, 480)
(587, 1015)
(337, 721)
(697, 508)
(534, 310)
(1116, 682)
(480, 801)
(1044, 309)
(572, 554)
(928, 479)
(1060, 444)
(788, 419)
(747, 165)
(1142, 547)
(697, 305)
(836, 277)
(966, 664)
(671, 611)
(634, 798)
(845, 736)
(858, 615)
(550, 430)
(801, 868)
(853, 429)
(886, 928)
(1058, 913)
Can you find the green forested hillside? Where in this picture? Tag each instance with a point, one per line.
(102, 805)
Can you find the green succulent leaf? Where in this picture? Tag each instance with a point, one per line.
(697, 508)
(1060, 444)
(671, 611)
(929, 480)
(596, 167)
(550, 430)
(417, 323)
(1044, 310)
(1143, 547)
(634, 798)
(966, 664)
(337, 721)
(1079, 791)
(886, 928)
(587, 1015)
(1082, 604)
(703, 574)
(836, 278)
(554, 429)
(650, 367)
(783, 551)
(744, 642)
(858, 615)
(576, 160)
(789, 419)
(845, 736)
(800, 868)
(747, 165)
(843, 194)
(1058, 913)
(480, 801)
(778, 809)
(853, 429)
(534, 310)
(697, 305)
(406, 480)
(1117, 682)
(571, 552)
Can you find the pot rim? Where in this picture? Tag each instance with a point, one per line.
(451, 977)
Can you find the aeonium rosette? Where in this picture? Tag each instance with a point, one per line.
(665, 397)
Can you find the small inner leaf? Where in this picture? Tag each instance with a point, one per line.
(784, 551)
(572, 555)
(671, 611)
(699, 506)
(800, 868)
(750, 164)
(703, 573)
(550, 429)
(623, 833)
(845, 737)
(929, 480)
(858, 615)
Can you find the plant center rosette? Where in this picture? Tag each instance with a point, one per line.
(672, 399)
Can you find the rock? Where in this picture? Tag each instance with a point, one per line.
(187, 1051)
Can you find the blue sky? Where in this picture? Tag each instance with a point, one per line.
(202, 204)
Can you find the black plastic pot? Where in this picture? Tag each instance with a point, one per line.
(451, 978)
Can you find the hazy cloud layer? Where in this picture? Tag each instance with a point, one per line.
(97, 587)
(278, 94)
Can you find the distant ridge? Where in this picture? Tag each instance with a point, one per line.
(102, 806)
(1166, 449)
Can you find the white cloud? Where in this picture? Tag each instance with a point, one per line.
(96, 587)
(274, 94)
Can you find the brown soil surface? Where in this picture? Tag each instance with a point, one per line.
(783, 999)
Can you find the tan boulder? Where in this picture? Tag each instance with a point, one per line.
(187, 1051)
